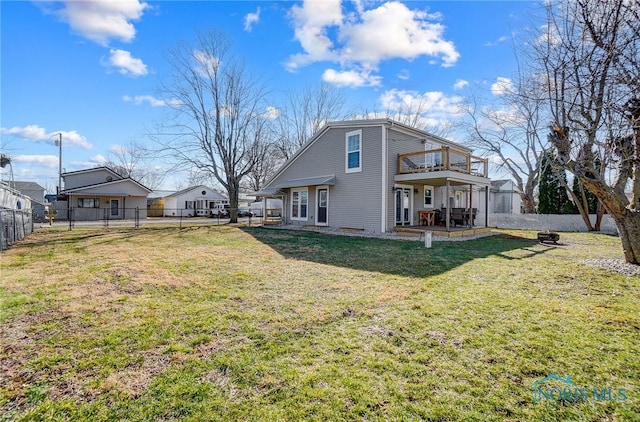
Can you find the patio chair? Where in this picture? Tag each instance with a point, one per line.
(457, 216)
(410, 164)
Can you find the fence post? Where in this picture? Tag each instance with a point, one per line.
(24, 229)
(137, 218)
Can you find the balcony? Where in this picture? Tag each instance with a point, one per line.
(442, 160)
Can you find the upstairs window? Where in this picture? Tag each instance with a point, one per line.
(353, 144)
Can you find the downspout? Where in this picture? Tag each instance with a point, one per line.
(486, 206)
(383, 218)
(448, 212)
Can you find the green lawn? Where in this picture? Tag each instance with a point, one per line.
(231, 323)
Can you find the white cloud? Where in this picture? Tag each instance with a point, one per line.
(364, 38)
(250, 19)
(548, 37)
(98, 159)
(502, 86)
(352, 78)
(394, 31)
(431, 101)
(126, 63)
(498, 41)
(311, 23)
(434, 107)
(404, 74)
(151, 100)
(36, 133)
(50, 161)
(208, 64)
(460, 83)
(272, 113)
(30, 133)
(103, 20)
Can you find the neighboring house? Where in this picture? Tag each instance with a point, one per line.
(190, 202)
(31, 189)
(505, 198)
(36, 192)
(374, 175)
(245, 200)
(101, 193)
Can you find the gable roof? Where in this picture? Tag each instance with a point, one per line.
(210, 191)
(389, 123)
(26, 186)
(92, 170)
(111, 183)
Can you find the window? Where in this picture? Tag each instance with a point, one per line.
(428, 197)
(189, 205)
(353, 144)
(88, 203)
(299, 203)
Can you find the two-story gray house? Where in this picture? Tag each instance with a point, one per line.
(377, 175)
(101, 193)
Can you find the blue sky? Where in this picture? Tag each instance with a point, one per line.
(90, 69)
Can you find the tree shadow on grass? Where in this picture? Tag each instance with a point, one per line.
(95, 235)
(392, 256)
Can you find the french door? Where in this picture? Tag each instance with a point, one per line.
(403, 205)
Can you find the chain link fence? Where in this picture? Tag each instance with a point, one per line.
(17, 224)
(134, 217)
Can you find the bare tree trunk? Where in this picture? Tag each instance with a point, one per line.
(628, 224)
(529, 203)
(233, 193)
(599, 215)
(582, 206)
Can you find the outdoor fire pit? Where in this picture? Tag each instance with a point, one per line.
(548, 236)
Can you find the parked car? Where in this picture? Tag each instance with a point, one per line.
(222, 212)
(256, 209)
(244, 212)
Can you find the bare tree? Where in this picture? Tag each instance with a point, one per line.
(510, 132)
(304, 113)
(267, 163)
(415, 114)
(136, 161)
(220, 115)
(588, 53)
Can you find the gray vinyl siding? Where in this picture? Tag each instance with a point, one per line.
(87, 178)
(355, 199)
(402, 143)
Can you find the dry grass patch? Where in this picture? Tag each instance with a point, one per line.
(216, 323)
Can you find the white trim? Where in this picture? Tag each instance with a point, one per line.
(385, 190)
(424, 196)
(318, 188)
(306, 218)
(346, 151)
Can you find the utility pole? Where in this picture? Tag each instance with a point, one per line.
(59, 143)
